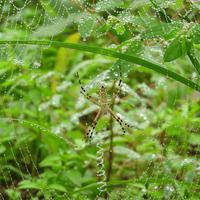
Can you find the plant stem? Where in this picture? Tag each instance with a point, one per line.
(110, 157)
(194, 60)
(110, 152)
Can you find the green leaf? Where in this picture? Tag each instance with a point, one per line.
(120, 66)
(2, 149)
(53, 141)
(51, 29)
(60, 23)
(175, 50)
(75, 176)
(106, 5)
(174, 130)
(57, 187)
(86, 25)
(126, 152)
(194, 139)
(29, 184)
(51, 161)
(157, 29)
(13, 194)
(102, 29)
(119, 28)
(48, 7)
(195, 34)
(15, 170)
(25, 138)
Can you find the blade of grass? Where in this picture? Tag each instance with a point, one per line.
(97, 50)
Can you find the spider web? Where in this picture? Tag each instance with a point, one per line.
(24, 170)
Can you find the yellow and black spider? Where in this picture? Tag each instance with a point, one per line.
(104, 106)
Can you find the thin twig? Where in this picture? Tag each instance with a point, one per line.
(110, 153)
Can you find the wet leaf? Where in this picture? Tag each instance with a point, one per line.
(86, 25)
(175, 49)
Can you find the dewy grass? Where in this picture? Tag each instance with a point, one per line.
(97, 50)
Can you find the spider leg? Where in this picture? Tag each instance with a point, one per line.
(120, 77)
(119, 85)
(91, 131)
(119, 88)
(84, 92)
(118, 119)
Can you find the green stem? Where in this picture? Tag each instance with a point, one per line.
(136, 60)
(194, 60)
(110, 153)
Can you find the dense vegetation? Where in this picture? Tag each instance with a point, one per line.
(145, 53)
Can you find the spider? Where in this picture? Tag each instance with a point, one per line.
(104, 106)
